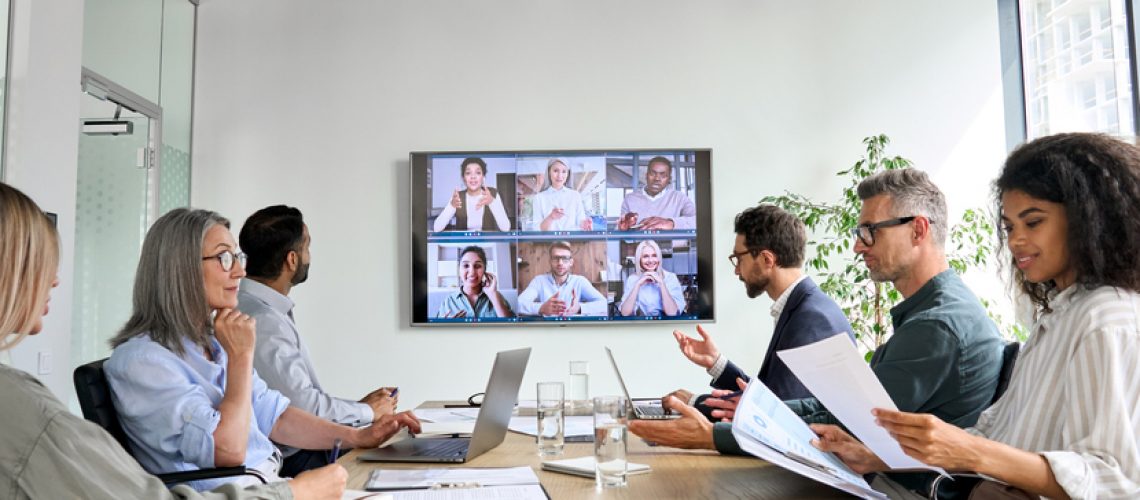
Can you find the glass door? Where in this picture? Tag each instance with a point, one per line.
(116, 200)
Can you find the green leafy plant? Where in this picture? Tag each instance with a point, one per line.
(866, 303)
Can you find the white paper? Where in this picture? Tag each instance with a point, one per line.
(575, 426)
(365, 495)
(841, 379)
(428, 429)
(766, 428)
(514, 492)
(584, 466)
(394, 479)
(442, 415)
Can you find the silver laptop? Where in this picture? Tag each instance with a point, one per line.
(645, 409)
(490, 426)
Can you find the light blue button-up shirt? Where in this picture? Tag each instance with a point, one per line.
(542, 287)
(168, 406)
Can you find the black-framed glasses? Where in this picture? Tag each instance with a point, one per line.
(866, 232)
(735, 257)
(227, 259)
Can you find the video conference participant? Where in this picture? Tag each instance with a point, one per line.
(476, 207)
(768, 258)
(657, 205)
(478, 295)
(559, 292)
(651, 291)
(559, 207)
(47, 451)
(181, 373)
(1068, 426)
(945, 354)
(276, 239)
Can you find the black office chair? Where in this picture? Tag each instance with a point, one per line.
(1008, 359)
(95, 401)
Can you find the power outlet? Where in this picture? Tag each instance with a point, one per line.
(44, 366)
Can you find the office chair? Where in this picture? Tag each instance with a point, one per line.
(1008, 359)
(95, 401)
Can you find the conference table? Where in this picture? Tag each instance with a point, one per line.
(675, 473)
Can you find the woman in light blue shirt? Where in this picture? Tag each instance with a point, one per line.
(652, 291)
(182, 374)
(478, 295)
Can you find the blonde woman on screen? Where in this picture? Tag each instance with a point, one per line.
(475, 208)
(559, 207)
(652, 291)
(48, 452)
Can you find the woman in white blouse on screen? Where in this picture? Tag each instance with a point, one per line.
(652, 291)
(1068, 425)
(475, 208)
(559, 207)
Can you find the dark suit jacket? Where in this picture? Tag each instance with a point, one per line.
(808, 317)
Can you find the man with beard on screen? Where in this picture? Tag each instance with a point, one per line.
(276, 240)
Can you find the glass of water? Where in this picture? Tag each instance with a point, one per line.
(551, 422)
(579, 392)
(610, 437)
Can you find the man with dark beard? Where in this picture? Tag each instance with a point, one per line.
(768, 258)
(276, 241)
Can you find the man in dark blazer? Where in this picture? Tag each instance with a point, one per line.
(768, 258)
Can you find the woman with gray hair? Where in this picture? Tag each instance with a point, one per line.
(47, 451)
(182, 369)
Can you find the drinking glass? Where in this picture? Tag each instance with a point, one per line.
(551, 422)
(610, 436)
(579, 391)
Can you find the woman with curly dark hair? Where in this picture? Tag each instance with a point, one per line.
(1069, 423)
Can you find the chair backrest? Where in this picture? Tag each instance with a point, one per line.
(1008, 358)
(95, 400)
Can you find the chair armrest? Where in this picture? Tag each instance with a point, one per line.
(215, 473)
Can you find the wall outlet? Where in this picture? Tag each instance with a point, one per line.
(44, 366)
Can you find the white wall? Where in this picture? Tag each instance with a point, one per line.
(41, 155)
(317, 105)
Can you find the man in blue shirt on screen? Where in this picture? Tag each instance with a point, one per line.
(560, 293)
(276, 241)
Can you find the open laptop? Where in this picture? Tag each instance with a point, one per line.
(490, 426)
(646, 409)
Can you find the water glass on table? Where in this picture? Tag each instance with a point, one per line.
(578, 394)
(551, 422)
(610, 436)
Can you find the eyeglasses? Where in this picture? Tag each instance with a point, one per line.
(735, 257)
(866, 232)
(227, 258)
(561, 258)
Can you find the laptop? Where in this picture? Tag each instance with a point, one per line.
(490, 426)
(645, 409)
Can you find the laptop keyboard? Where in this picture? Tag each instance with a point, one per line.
(443, 448)
(653, 411)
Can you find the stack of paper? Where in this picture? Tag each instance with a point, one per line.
(451, 483)
(584, 466)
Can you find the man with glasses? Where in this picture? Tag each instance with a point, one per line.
(945, 353)
(277, 241)
(560, 293)
(768, 258)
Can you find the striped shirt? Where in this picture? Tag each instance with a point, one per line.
(1074, 396)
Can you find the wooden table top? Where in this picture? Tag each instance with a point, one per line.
(675, 473)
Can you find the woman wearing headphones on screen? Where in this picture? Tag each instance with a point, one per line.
(477, 207)
(48, 452)
(479, 296)
(559, 207)
(652, 291)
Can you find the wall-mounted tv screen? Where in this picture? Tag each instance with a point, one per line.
(528, 237)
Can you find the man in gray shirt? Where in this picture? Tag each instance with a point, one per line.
(657, 206)
(276, 240)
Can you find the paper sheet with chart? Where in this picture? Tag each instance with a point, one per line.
(837, 375)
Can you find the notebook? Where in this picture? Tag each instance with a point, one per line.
(644, 409)
(584, 466)
(490, 425)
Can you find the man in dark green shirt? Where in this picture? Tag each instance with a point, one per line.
(945, 353)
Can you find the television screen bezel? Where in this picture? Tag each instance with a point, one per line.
(420, 200)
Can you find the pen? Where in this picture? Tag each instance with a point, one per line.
(733, 394)
(394, 391)
(335, 451)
